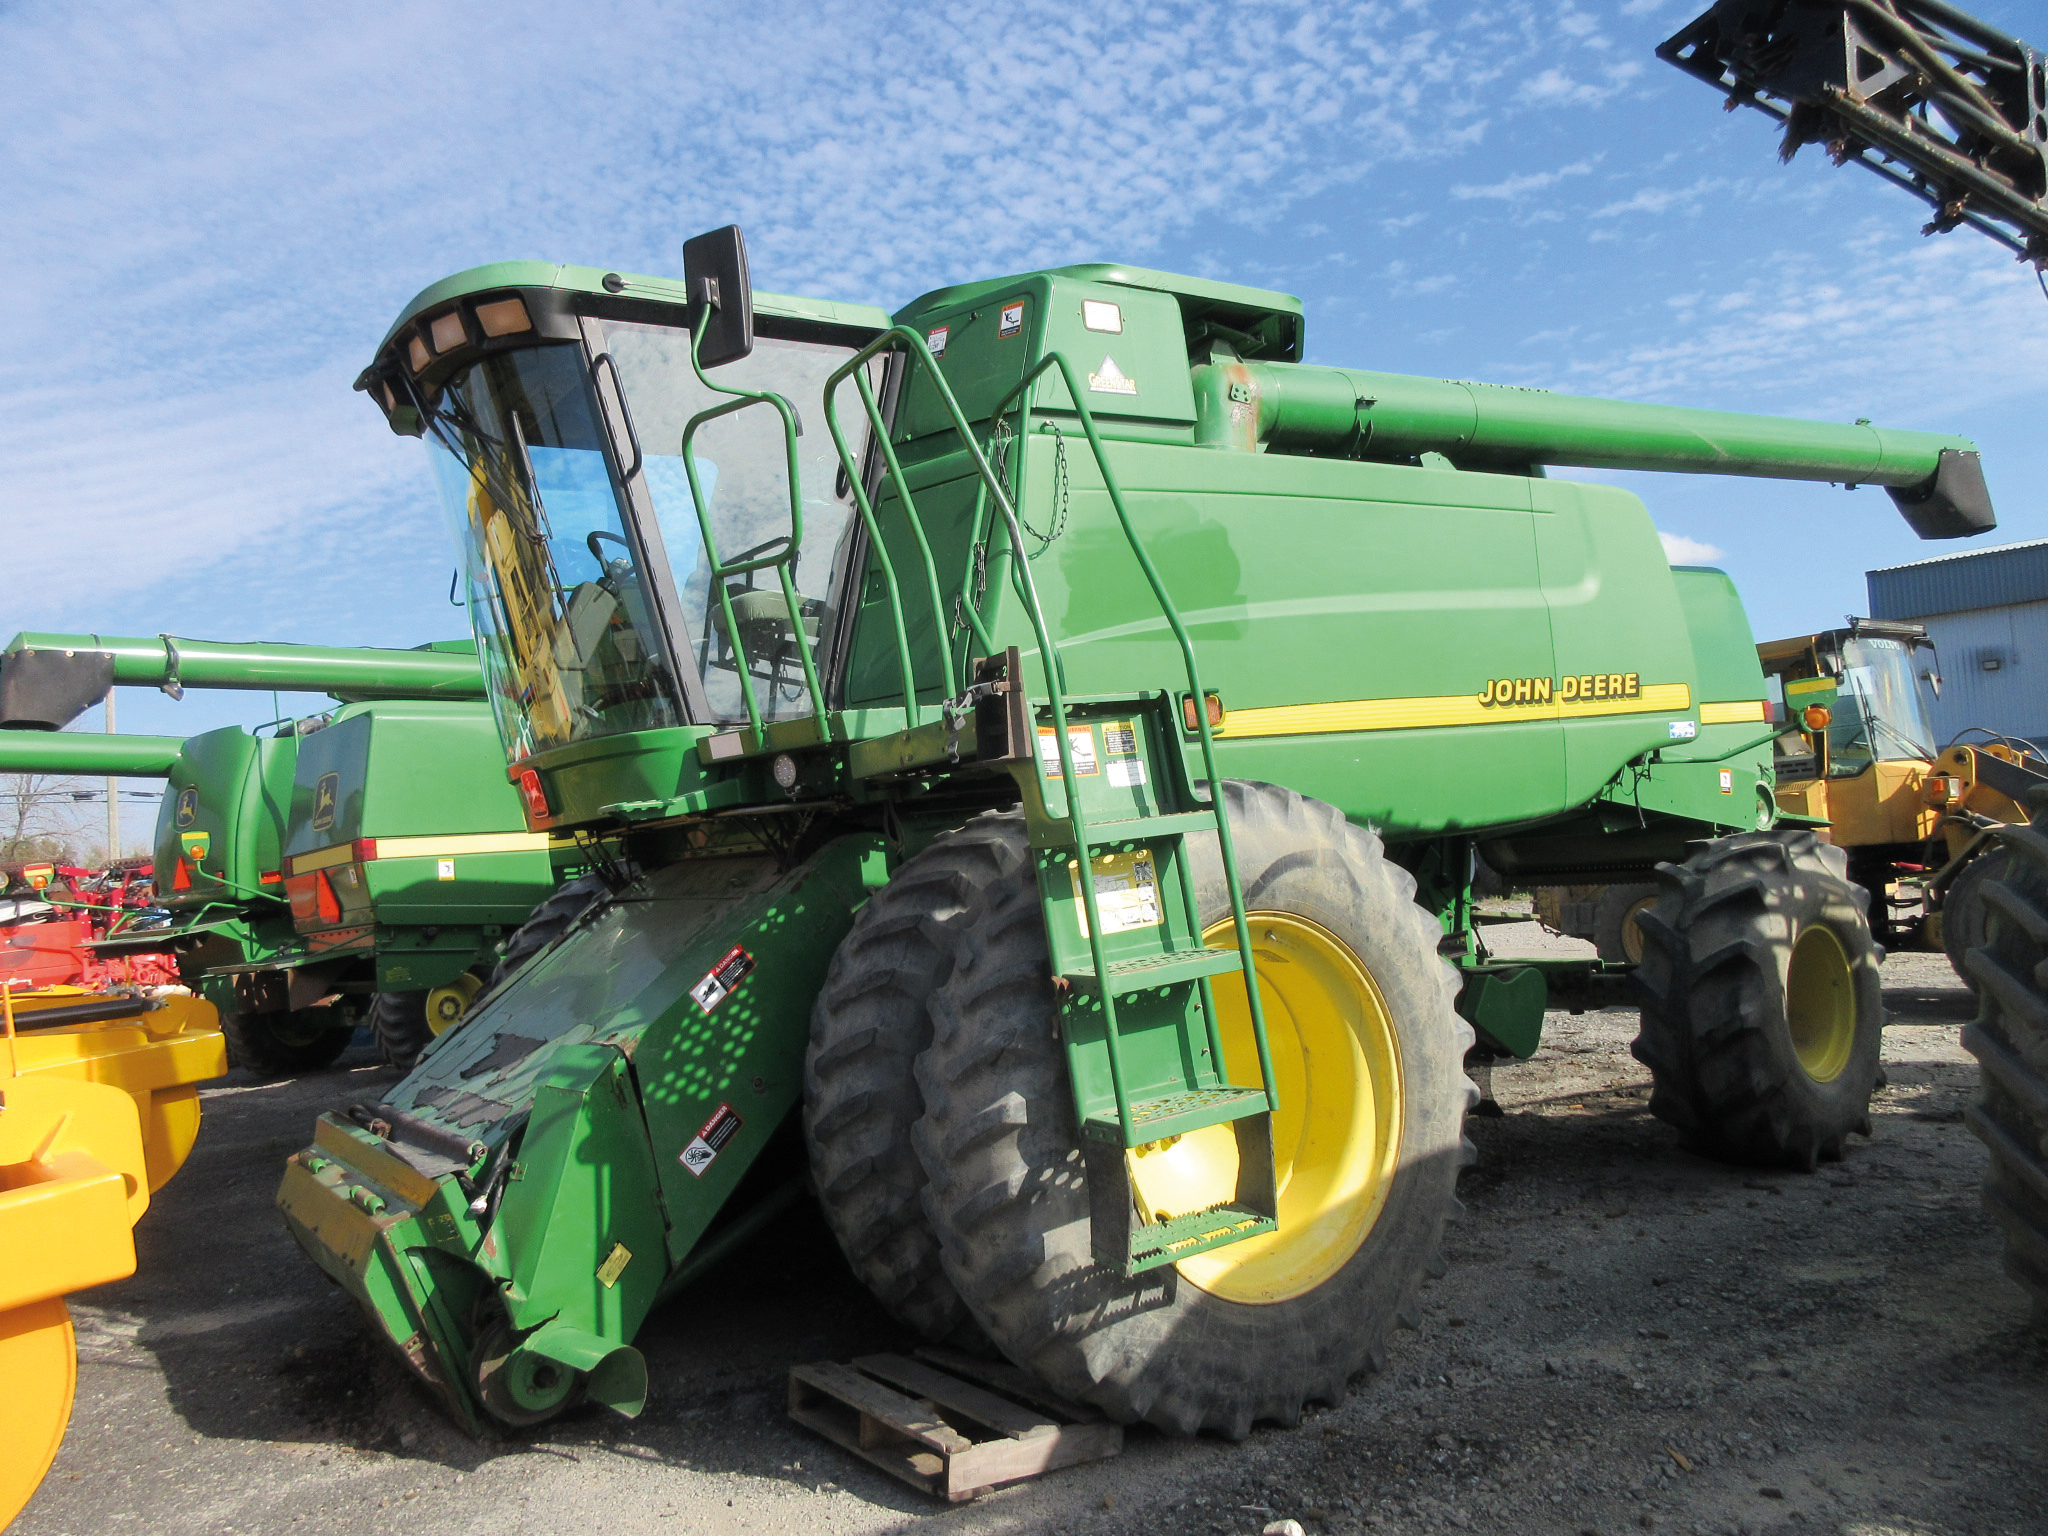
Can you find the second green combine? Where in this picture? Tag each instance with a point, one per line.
(358, 866)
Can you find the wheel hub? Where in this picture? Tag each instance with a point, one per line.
(1336, 1135)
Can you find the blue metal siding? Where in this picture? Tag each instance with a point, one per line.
(1984, 578)
(2010, 697)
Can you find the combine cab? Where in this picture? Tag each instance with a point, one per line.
(1048, 739)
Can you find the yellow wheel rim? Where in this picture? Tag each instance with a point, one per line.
(1631, 930)
(1336, 1136)
(1820, 1004)
(447, 1003)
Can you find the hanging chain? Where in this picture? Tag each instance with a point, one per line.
(1059, 498)
(999, 462)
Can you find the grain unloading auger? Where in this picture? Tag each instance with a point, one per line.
(361, 864)
(909, 665)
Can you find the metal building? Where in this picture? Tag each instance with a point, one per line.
(1987, 613)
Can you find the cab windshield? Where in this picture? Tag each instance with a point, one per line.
(1882, 708)
(742, 465)
(557, 589)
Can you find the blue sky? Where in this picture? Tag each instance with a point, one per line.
(215, 210)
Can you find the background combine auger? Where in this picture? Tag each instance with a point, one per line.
(1956, 112)
(362, 865)
(1021, 723)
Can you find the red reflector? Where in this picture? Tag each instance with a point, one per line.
(365, 849)
(272, 877)
(325, 902)
(535, 797)
(181, 878)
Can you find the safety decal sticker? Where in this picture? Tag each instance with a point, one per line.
(1727, 781)
(1120, 757)
(1112, 380)
(936, 339)
(705, 1146)
(614, 1265)
(1684, 730)
(1011, 321)
(1080, 742)
(1126, 891)
(722, 979)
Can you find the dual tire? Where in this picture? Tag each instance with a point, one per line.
(1368, 1139)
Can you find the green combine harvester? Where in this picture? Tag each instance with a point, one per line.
(359, 866)
(1048, 738)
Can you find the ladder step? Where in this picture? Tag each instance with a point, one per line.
(1146, 971)
(1135, 829)
(1159, 1243)
(1177, 1113)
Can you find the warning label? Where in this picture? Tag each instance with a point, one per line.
(1126, 891)
(722, 979)
(1010, 319)
(1080, 743)
(705, 1146)
(1120, 757)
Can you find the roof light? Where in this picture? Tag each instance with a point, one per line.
(503, 317)
(446, 331)
(416, 350)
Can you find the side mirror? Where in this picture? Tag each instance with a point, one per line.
(721, 311)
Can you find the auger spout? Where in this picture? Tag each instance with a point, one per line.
(47, 681)
(1935, 478)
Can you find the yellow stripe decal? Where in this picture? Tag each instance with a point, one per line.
(451, 847)
(1452, 709)
(1747, 712)
(322, 858)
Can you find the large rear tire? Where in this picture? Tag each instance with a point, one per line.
(1617, 932)
(547, 923)
(1762, 1016)
(2009, 1038)
(860, 1087)
(286, 1044)
(1368, 1142)
(1963, 916)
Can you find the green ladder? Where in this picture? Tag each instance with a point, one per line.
(1138, 1008)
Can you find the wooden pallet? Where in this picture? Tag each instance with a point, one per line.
(918, 1419)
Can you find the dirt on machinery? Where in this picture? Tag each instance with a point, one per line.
(1629, 1338)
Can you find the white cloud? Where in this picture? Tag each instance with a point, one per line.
(1515, 187)
(1680, 550)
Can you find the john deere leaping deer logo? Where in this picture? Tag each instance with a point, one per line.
(325, 793)
(188, 806)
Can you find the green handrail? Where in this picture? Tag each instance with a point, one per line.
(1052, 664)
(1226, 845)
(781, 561)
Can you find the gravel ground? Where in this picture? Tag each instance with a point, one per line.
(1628, 1339)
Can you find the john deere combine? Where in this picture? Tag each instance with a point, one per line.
(1048, 735)
(363, 865)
